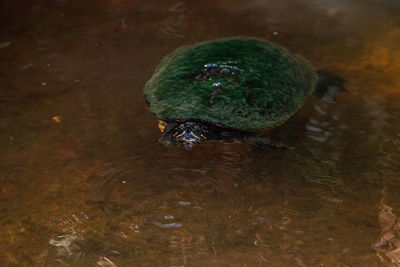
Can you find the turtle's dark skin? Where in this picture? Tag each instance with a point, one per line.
(188, 133)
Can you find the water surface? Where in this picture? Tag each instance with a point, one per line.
(83, 181)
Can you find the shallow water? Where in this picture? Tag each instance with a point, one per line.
(83, 181)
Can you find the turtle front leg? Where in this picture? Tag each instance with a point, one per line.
(167, 135)
(265, 142)
(165, 139)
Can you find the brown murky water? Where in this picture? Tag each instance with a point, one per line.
(83, 181)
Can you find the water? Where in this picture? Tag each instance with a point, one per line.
(84, 182)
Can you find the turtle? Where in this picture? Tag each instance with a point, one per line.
(230, 89)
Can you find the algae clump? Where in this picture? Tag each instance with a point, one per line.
(240, 83)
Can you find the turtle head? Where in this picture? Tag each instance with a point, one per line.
(189, 133)
(186, 134)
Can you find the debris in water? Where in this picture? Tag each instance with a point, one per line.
(5, 44)
(105, 262)
(27, 66)
(332, 199)
(56, 119)
(167, 225)
(169, 217)
(65, 241)
(184, 203)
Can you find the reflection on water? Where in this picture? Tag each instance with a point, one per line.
(325, 132)
(83, 181)
(173, 26)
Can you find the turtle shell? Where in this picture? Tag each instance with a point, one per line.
(240, 83)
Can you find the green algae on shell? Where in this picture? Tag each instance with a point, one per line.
(240, 83)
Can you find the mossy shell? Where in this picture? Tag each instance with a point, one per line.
(241, 83)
